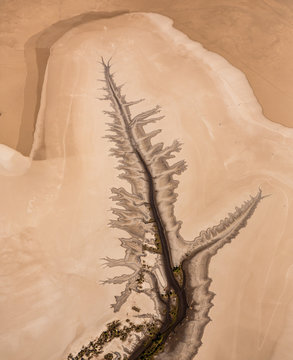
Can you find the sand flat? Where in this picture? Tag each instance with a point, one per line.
(56, 230)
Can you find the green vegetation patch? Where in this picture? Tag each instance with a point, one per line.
(114, 330)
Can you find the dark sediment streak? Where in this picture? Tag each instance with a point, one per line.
(192, 296)
(169, 324)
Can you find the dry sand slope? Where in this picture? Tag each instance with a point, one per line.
(55, 211)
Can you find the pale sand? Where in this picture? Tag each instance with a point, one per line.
(254, 35)
(56, 231)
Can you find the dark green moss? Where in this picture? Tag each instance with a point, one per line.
(114, 330)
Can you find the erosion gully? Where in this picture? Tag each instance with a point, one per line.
(151, 346)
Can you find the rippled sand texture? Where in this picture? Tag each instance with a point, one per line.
(55, 211)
